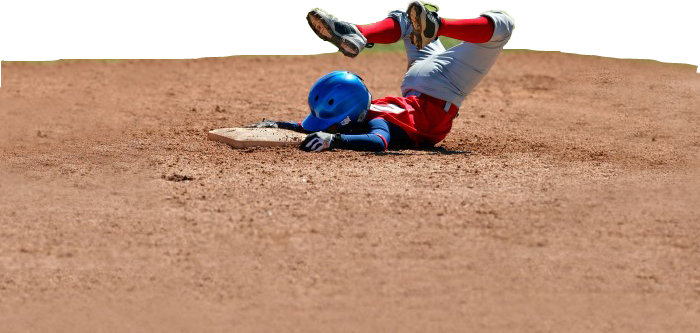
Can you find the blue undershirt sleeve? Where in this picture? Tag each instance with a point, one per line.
(377, 139)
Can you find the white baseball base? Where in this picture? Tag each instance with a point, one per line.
(238, 137)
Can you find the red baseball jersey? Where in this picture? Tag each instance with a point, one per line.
(425, 119)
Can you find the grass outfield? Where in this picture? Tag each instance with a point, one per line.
(642, 29)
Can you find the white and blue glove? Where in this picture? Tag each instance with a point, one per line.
(319, 141)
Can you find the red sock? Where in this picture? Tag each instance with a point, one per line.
(386, 31)
(478, 30)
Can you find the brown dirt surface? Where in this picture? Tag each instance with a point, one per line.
(566, 199)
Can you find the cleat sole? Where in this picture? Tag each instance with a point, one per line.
(323, 30)
(415, 15)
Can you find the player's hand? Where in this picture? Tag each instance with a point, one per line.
(264, 124)
(318, 141)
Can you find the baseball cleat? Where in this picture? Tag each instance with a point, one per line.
(347, 37)
(425, 22)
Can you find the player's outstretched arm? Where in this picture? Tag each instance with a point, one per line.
(279, 124)
(376, 140)
(321, 141)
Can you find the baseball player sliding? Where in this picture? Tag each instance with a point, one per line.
(343, 114)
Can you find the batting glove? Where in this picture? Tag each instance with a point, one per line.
(319, 141)
(265, 124)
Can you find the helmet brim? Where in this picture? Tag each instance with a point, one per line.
(315, 124)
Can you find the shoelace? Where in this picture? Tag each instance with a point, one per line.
(349, 20)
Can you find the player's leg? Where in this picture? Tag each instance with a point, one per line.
(413, 54)
(351, 39)
(451, 75)
(428, 26)
(346, 36)
(475, 30)
(386, 31)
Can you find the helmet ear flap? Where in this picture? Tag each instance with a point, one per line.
(362, 116)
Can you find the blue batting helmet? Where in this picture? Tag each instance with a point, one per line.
(338, 98)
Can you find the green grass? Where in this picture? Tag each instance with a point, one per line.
(641, 29)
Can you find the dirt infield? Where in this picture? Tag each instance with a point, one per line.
(566, 199)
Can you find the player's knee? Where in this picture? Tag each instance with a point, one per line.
(508, 20)
(503, 24)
